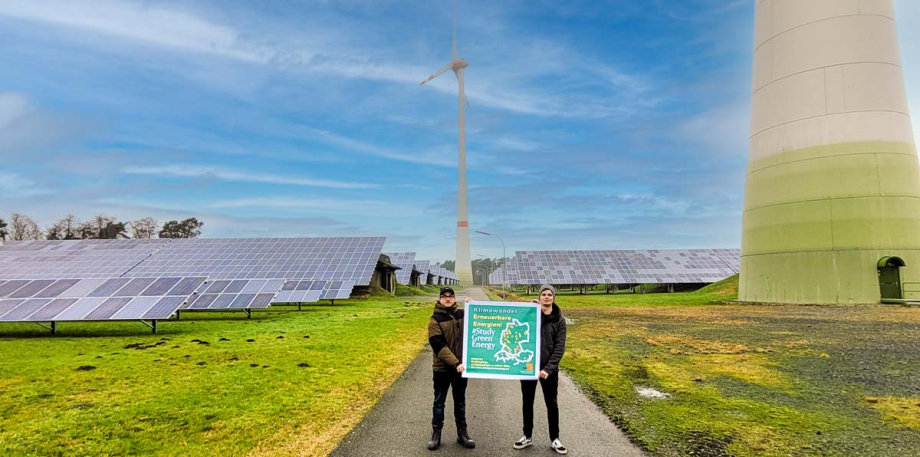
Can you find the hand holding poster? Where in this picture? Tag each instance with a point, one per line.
(501, 340)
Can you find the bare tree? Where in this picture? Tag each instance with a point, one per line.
(144, 228)
(24, 228)
(67, 228)
(3, 231)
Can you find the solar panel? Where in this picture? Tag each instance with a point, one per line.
(405, 261)
(624, 266)
(422, 265)
(509, 276)
(235, 294)
(96, 299)
(731, 257)
(88, 309)
(73, 258)
(342, 260)
(446, 276)
(338, 290)
(150, 268)
(301, 291)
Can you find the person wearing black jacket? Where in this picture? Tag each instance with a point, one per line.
(445, 334)
(552, 348)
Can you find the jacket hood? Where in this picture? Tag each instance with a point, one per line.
(555, 314)
(440, 308)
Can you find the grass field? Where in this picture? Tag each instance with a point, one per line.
(749, 380)
(409, 291)
(283, 383)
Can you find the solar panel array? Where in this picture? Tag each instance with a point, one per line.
(509, 276)
(687, 266)
(94, 299)
(406, 262)
(423, 267)
(446, 276)
(310, 291)
(73, 259)
(235, 294)
(344, 259)
(152, 279)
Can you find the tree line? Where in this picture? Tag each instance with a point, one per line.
(480, 267)
(22, 228)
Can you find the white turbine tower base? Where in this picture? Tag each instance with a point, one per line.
(463, 267)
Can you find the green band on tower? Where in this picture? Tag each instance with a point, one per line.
(833, 179)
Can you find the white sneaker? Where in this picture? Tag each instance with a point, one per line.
(558, 447)
(523, 442)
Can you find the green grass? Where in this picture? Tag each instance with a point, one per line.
(715, 293)
(750, 380)
(409, 291)
(115, 388)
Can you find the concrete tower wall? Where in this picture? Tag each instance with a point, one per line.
(833, 182)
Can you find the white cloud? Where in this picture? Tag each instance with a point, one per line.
(724, 129)
(23, 126)
(492, 87)
(141, 22)
(517, 144)
(298, 203)
(13, 106)
(14, 185)
(430, 158)
(197, 171)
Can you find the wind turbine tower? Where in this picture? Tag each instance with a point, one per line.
(832, 198)
(463, 267)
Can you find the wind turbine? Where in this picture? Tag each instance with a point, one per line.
(463, 267)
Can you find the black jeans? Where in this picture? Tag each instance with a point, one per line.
(550, 387)
(444, 380)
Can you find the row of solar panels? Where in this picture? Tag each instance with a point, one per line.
(415, 272)
(661, 266)
(150, 298)
(48, 281)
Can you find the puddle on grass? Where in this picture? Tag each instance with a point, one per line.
(648, 392)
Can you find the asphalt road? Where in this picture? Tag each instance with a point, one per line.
(400, 423)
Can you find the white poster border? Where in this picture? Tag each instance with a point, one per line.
(466, 342)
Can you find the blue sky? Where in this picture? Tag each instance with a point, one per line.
(594, 124)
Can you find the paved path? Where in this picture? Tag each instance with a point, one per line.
(400, 423)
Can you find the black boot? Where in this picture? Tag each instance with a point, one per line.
(463, 437)
(435, 439)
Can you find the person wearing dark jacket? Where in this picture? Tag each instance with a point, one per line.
(445, 334)
(552, 348)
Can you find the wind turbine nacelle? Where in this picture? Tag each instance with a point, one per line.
(460, 64)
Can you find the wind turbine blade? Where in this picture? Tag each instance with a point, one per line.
(453, 51)
(438, 73)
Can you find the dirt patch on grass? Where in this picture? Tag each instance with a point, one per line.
(754, 380)
(682, 344)
(901, 412)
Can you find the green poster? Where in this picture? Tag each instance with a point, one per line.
(501, 340)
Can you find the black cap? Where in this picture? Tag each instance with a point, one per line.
(447, 289)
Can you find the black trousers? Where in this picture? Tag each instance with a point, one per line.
(550, 387)
(444, 380)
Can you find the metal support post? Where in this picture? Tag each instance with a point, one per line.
(46, 327)
(152, 324)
